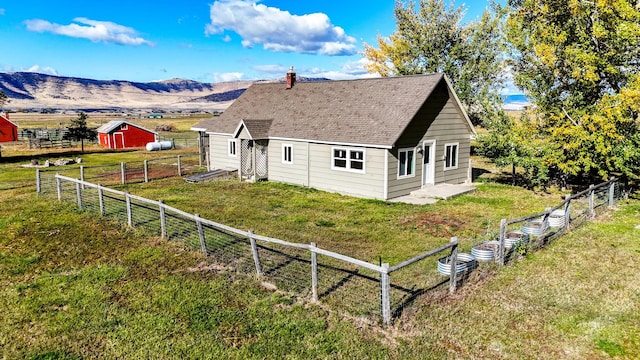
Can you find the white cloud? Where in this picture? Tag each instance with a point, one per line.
(43, 70)
(346, 71)
(93, 30)
(279, 30)
(224, 77)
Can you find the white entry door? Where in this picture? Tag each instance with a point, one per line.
(429, 162)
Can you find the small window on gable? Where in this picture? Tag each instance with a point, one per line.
(124, 127)
(232, 147)
(406, 163)
(287, 154)
(348, 159)
(450, 156)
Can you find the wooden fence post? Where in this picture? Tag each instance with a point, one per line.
(101, 200)
(163, 221)
(146, 171)
(38, 182)
(314, 272)
(567, 211)
(203, 244)
(501, 239)
(592, 212)
(179, 166)
(123, 174)
(59, 187)
(453, 259)
(79, 195)
(254, 252)
(127, 199)
(385, 294)
(612, 193)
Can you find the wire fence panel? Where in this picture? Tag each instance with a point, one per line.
(349, 288)
(288, 268)
(104, 174)
(362, 289)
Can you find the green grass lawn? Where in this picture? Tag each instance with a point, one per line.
(73, 285)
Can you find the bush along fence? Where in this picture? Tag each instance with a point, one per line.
(363, 289)
(122, 173)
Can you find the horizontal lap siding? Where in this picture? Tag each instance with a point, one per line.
(450, 127)
(219, 158)
(295, 173)
(441, 121)
(368, 185)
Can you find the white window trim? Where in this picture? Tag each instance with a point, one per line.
(284, 152)
(348, 159)
(457, 158)
(413, 163)
(235, 147)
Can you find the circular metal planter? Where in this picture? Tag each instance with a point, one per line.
(514, 237)
(486, 251)
(557, 218)
(464, 263)
(534, 227)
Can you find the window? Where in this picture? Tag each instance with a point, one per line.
(406, 163)
(347, 159)
(232, 147)
(450, 156)
(287, 154)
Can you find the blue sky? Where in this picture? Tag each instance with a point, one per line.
(207, 41)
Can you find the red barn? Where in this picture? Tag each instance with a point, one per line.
(8, 129)
(117, 134)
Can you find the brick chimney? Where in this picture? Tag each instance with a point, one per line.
(291, 78)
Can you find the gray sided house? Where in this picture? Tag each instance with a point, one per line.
(373, 138)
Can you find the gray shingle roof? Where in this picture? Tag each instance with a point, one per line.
(115, 124)
(366, 111)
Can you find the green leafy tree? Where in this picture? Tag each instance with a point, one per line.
(578, 61)
(79, 131)
(430, 37)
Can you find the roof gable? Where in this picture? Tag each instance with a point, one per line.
(257, 129)
(116, 124)
(366, 111)
(6, 118)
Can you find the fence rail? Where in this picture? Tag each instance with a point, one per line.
(344, 282)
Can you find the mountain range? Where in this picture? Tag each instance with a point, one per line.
(28, 91)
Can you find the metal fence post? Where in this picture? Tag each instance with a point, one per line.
(612, 192)
(385, 296)
(59, 187)
(179, 166)
(314, 272)
(123, 176)
(592, 212)
(129, 210)
(146, 171)
(453, 259)
(163, 221)
(82, 174)
(254, 252)
(38, 180)
(203, 244)
(79, 195)
(101, 200)
(501, 239)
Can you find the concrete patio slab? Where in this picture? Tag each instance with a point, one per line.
(432, 194)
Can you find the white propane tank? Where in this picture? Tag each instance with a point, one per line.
(159, 145)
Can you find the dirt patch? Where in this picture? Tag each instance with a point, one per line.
(435, 224)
